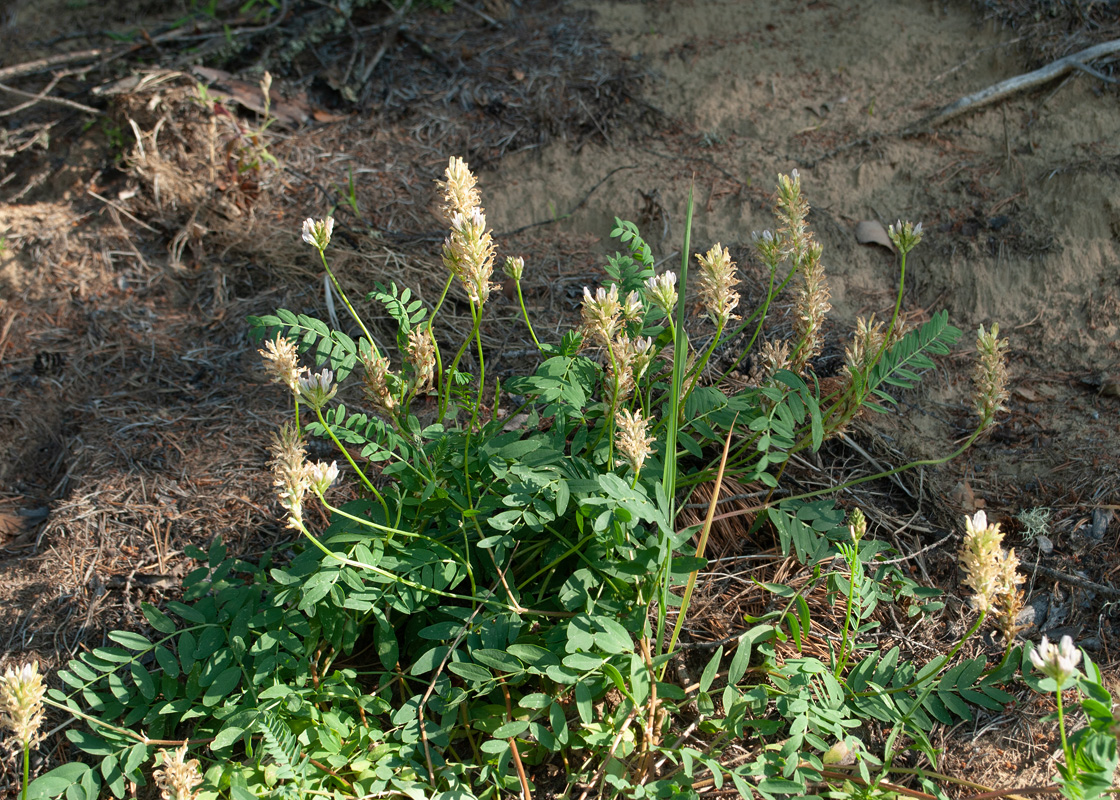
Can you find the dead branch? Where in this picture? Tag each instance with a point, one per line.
(43, 64)
(1021, 83)
(43, 97)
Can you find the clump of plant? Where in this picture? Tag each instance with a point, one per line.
(501, 606)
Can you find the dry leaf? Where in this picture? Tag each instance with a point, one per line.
(965, 498)
(288, 112)
(868, 231)
(321, 115)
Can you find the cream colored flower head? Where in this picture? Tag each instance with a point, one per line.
(792, 210)
(661, 290)
(290, 472)
(769, 247)
(422, 357)
(867, 341)
(459, 192)
(981, 557)
(21, 703)
(811, 305)
(514, 267)
(990, 375)
(379, 392)
(717, 281)
(905, 235)
(321, 475)
(633, 309)
(317, 232)
(642, 350)
(177, 778)
(600, 313)
(631, 438)
(468, 253)
(282, 360)
(1056, 661)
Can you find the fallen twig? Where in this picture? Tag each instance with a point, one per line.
(43, 97)
(1021, 83)
(42, 64)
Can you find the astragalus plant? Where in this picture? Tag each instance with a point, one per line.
(500, 610)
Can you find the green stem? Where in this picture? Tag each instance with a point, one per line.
(346, 302)
(703, 361)
(346, 453)
(477, 313)
(669, 468)
(431, 332)
(26, 770)
(525, 313)
(1062, 729)
(853, 567)
(445, 399)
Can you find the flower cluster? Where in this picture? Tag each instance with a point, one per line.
(990, 571)
(600, 313)
(178, 778)
(460, 193)
(857, 525)
(771, 358)
(317, 388)
(866, 343)
(321, 476)
(661, 290)
(717, 279)
(905, 235)
(990, 375)
(469, 251)
(21, 703)
(379, 393)
(795, 242)
(282, 360)
(317, 232)
(792, 210)
(290, 471)
(632, 439)
(422, 358)
(605, 317)
(769, 249)
(514, 267)
(811, 306)
(1057, 661)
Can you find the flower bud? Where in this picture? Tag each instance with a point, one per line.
(321, 475)
(662, 292)
(905, 235)
(514, 267)
(1056, 661)
(318, 388)
(317, 233)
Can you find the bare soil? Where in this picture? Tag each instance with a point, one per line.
(134, 415)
